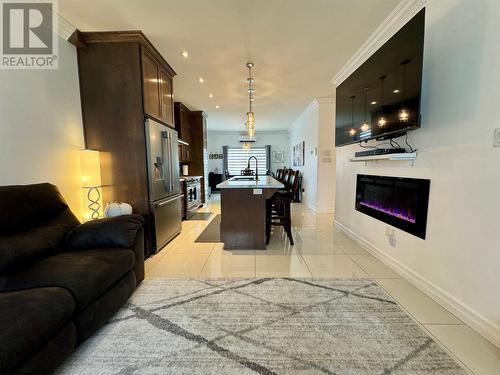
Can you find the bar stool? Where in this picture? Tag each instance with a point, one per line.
(278, 174)
(278, 213)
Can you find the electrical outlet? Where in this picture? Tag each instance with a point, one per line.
(496, 137)
(391, 234)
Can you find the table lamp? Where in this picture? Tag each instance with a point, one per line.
(91, 182)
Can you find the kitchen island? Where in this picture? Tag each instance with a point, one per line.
(243, 211)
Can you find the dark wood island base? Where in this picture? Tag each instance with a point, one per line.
(243, 213)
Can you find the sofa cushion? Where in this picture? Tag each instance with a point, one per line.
(28, 206)
(87, 274)
(119, 231)
(29, 319)
(20, 249)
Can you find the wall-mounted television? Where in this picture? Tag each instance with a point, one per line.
(381, 99)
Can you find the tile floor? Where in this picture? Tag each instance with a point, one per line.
(320, 251)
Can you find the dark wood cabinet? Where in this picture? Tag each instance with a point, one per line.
(166, 97)
(121, 77)
(183, 127)
(199, 153)
(150, 86)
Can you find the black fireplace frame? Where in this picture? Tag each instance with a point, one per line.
(422, 187)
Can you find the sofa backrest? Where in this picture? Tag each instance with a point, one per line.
(34, 221)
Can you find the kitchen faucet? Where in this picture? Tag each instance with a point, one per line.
(256, 167)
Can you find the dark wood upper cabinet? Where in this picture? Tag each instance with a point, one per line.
(151, 86)
(166, 98)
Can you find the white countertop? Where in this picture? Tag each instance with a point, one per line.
(264, 182)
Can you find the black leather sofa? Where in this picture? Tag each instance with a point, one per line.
(59, 280)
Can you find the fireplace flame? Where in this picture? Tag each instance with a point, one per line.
(400, 214)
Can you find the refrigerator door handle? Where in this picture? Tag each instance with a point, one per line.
(165, 150)
(168, 201)
(171, 161)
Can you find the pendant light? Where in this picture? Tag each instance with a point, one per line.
(404, 114)
(382, 120)
(352, 132)
(365, 126)
(250, 124)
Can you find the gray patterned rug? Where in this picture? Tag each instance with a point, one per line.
(260, 326)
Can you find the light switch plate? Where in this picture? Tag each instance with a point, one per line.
(496, 137)
(257, 191)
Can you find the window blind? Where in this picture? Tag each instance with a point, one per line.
(237, 159)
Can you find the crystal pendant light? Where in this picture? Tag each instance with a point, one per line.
(382, 120)
(404, 114)
(250, 124)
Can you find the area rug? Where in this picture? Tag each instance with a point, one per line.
(260, 326)
(212, 231)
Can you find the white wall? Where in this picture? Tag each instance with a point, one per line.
(459, 262)
(41, 127)
(217, 139)
(305, 129)
(325, 200)
(315, 126)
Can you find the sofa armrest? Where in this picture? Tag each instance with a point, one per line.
(138, 249)
(119, 231)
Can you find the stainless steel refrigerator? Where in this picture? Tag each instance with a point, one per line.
(165, 197)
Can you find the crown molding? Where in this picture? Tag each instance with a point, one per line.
(401, 14)
(310, 108)
(64, 29)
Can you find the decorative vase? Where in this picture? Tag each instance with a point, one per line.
(117, 209)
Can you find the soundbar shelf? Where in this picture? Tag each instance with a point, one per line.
(401, 156)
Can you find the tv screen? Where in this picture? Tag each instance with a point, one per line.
(381, 99)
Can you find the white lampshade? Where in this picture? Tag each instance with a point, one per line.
(90, 168)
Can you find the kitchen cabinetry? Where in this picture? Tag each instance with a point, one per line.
(157, 89)
(183, 128)
(199, 153)
(124, 80)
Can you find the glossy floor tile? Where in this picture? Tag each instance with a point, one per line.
(281, 266)
(320, 250)
(422, 307)
(478, 354)
(229, 264)
(373, 267)
(323, 266)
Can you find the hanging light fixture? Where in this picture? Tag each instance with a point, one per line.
(250, 124)
(365, 126)
(404, 114)
(382, 120)
(352, 132)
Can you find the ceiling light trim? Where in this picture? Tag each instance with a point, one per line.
(400, 15)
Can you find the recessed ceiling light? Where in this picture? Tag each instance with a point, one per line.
(217, 107)
(201, 80)
(185, 54)
(210, 96)
(396, 91)
(373, 103)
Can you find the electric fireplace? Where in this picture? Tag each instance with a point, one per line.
(400, 202)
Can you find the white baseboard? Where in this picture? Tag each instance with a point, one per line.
(486, 328)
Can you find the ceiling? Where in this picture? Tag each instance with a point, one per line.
(297, 46)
